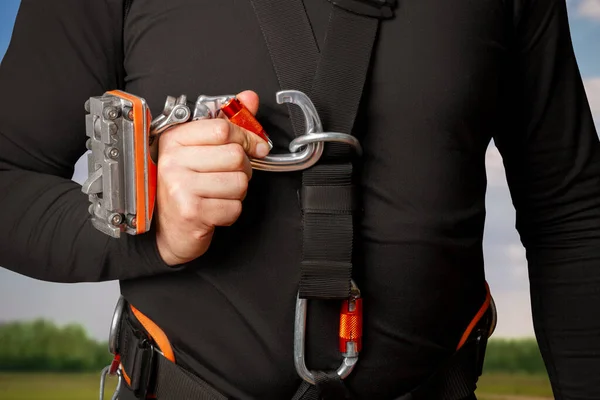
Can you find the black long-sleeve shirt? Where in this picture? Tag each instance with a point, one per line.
(447, 78)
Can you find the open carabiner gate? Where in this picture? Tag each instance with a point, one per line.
(306, 149)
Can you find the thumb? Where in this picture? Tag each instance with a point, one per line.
(249, 99)
(256, 143)
(253, 144)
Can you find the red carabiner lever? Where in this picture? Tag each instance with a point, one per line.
(351, 324)
(238, 114)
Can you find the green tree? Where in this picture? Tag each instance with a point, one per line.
(40, 345)
(514, 356)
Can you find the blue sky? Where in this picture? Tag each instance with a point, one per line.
(92, 304)
(8, 11)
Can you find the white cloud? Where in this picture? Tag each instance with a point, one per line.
(518, 263)
(589, 9)
(514, 314)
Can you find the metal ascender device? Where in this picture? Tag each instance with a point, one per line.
(122, 164)
(123, 144)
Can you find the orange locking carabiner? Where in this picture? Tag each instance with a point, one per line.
(350, 335)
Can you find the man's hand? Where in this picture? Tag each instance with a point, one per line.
(203, 175)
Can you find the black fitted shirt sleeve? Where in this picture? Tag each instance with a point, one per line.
(61, 53)
(552, 158)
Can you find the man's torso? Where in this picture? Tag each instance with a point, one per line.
(430, 108)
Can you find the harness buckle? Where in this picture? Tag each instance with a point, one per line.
(142, 369)
(350, 335)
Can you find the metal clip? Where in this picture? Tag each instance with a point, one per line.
(306, 149)
(115, 326)
(176, 111)
(104, 373)
(299, 159)
(350, 335)
(113, 368)
(494, 320)
(210, 106)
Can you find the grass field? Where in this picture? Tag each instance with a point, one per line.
(85, 386)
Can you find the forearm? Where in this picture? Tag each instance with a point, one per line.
(61, 53)
(48, 234)
(563, 252)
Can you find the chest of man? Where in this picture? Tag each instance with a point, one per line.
(428, 112)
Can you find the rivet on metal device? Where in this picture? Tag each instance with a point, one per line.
(112, 128)
(113, 153)
(128, 113)
(180, 113)
(111, 113)
(116, 219)
(132, 221)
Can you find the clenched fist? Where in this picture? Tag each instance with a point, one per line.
(203, 175)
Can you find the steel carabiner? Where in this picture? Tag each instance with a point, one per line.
(103, 374)
(350, 335)
(296, 159)
(113, 368)
(306, 149)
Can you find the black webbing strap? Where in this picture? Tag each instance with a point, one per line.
(456, 378)
(150, 373)
(289, 38)
(334, 80)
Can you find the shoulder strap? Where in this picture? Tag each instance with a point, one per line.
(334, 79)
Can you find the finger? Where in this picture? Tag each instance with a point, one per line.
(213, 185)
(212, 132)
(226, 158)
(219, 212)
(249, 99)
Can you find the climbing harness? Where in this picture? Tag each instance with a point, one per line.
(142, 354)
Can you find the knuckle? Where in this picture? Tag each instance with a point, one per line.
(235, 210)
(232, 211)
(221, 179)
(242, 183)
(167, 162)
(174, 188)
(187, 211)
(165, 142)
(221, 130)
(238, 155)
(224, 212)
(212, 212)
